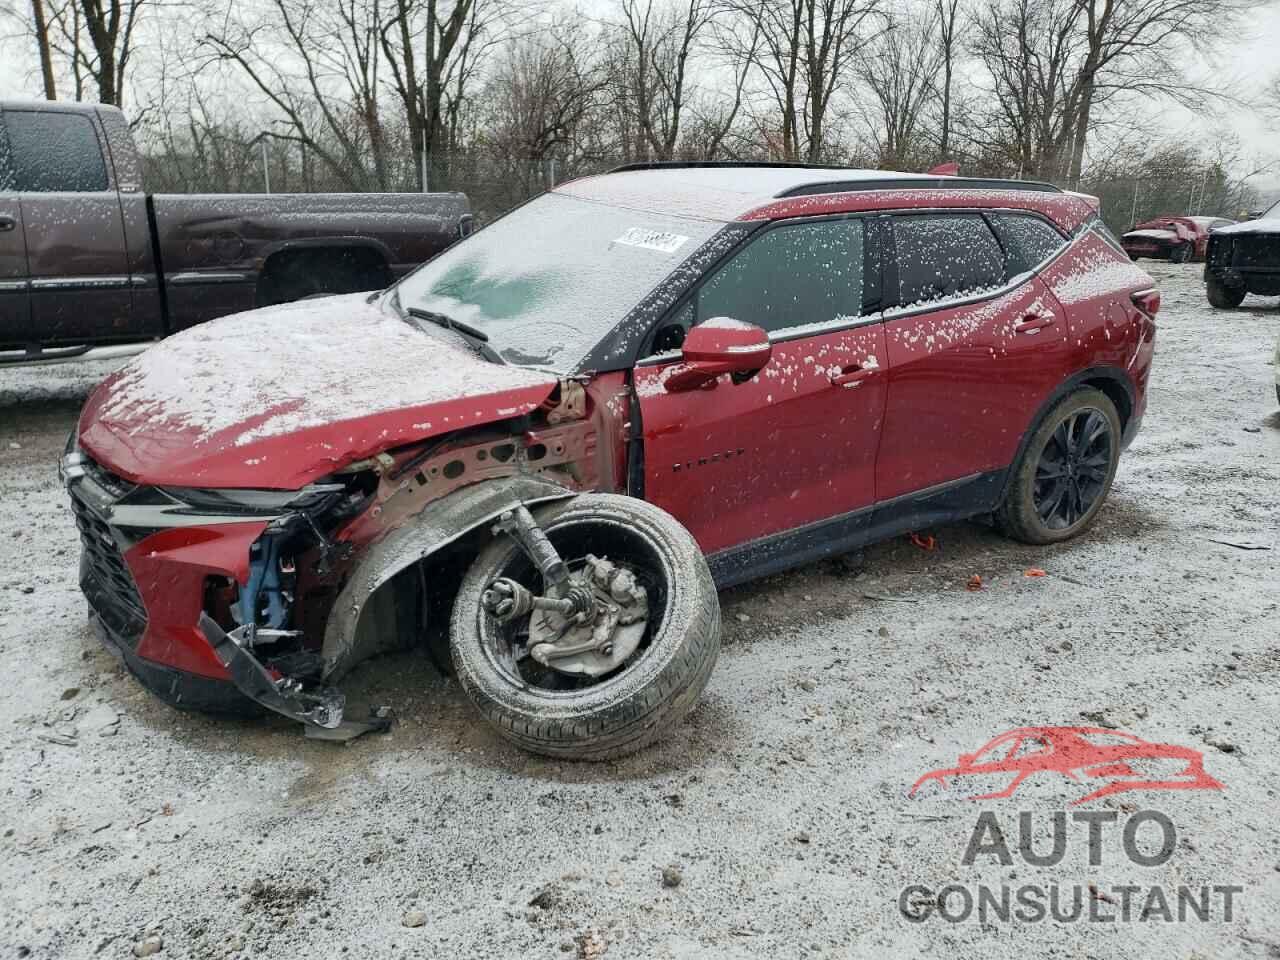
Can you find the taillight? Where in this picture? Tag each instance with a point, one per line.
(1148, 301)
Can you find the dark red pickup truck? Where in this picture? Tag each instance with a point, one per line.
(91, 265)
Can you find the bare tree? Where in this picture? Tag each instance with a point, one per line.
(899, 71)
(41, 28)
(947, 13)
(315, 62)
(111, 25)
(1139, 46)
(659, 43)
(807, 52)
(1029, 49)
(541, 95)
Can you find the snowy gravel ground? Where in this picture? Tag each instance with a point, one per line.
(781, 803)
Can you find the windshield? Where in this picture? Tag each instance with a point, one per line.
(546, 282)
(1272, 211)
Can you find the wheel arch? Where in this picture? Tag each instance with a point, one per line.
(375, 255)
(1114, 383)
(455, 520)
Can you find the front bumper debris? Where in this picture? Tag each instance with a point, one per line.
(310, 704)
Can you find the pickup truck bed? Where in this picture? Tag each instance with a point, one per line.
(89, 261)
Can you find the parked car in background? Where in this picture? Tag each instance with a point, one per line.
(90, 264)
(1176, 239)
(1244, 258)
(564, 433)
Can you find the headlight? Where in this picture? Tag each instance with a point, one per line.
(265, 502)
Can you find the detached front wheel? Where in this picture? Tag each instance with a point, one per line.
(597, 657)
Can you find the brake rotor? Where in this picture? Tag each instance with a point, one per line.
(596, 644)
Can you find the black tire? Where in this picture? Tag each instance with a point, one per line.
(1221, 295)
(1181, 253)
(1046, 505)
(651, 692)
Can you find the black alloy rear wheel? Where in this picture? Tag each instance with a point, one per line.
(1065, 472)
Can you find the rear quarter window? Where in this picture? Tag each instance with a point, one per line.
(1030, 240)
(54, 152)
(941, 257)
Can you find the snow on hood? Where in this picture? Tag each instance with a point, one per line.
(1261, 225)
(277, 397)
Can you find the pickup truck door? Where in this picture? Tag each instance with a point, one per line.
(80, 285)
(15, 315)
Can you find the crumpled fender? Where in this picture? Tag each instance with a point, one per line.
(440, 523)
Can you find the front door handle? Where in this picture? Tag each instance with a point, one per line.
(852, 376)
(7, 224)
(1033, 323)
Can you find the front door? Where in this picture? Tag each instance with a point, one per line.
(785, 459)
(81, 290)
(15, 316)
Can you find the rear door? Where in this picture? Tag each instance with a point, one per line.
(80, 281)
(975, 343)
(15, 315)
(767, 459)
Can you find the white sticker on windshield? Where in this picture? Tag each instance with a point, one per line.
(652, 240)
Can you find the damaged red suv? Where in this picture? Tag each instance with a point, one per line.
(551, 444)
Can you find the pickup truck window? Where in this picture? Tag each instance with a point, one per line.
(54, 152)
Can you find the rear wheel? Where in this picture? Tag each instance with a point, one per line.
(605, 702)
(1065, 472)
(1221, 295)
(1180, 254)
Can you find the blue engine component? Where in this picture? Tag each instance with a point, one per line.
(264, 581)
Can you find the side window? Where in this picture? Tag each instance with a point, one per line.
(945, 257)
(1031, 241)
(54, 152)
(791, 276)
(6, 168)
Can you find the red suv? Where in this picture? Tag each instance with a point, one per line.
(554, 441)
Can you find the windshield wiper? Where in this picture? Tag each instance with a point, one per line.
(479, 338)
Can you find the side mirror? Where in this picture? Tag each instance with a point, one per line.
(719, 345)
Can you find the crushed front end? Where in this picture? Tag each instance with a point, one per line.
(234, 600)
(163, 568)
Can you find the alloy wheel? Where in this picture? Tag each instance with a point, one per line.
(1073, 467)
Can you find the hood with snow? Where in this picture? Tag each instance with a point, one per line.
(278, 397)
(1261, 225)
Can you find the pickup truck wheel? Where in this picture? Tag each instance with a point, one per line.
(1064, 475)
(1180, 254)
(1221, 295)
(560, 713)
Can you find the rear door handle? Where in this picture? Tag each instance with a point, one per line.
(1033, 322)
(7, 224)
(852, 376)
